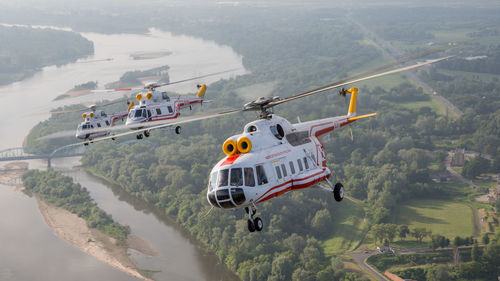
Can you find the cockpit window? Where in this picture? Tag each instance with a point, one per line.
(131, 114)
(213, 180)
(249, 178)
(236, 177)
(223, 177)
(138, 113)
(261, 175)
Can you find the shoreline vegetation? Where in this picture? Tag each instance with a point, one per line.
(74, 229)
(19, 60)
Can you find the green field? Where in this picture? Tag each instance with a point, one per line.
(442, 217)
(348, 228)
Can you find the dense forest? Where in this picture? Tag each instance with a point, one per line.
(388, 163)
(60, 191)
(24, 51)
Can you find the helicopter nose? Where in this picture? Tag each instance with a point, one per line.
(226, 198)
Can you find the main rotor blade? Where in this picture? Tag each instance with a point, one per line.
(391, 64)
(87, 108)
(194, 78)
(329, 87)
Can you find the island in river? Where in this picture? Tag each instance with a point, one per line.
(76, 231)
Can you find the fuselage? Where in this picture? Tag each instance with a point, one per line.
(95, 124)
(158, 106)
(283, 157)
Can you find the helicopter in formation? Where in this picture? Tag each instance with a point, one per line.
(99, 120)
(272, 156)
(154, 106)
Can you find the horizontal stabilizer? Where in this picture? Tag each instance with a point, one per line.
(361, 117)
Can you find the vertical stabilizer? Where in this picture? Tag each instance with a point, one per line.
(352, 104)
(201, 92)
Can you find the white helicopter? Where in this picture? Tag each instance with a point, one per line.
(272, 156)
(157, 106)
(99, 120)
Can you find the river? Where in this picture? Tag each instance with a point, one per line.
(29, 249)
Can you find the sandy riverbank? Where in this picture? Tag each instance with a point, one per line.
(75, 231)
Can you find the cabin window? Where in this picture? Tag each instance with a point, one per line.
(300, 165)
(169, 109)
(149, 113)
(298, 138)
(249, 178)
(278, 171)
(283, 167)
(213, 180)
(306, 164)
(99, 125)
(223, 177)
(292, 168)
(107, 123)
(158, 111)
(236, 177)
(261, 175)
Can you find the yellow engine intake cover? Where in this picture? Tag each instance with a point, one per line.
(244, 145)
(229, 147)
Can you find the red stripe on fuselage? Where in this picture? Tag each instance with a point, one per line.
(292, 187)
(285, 183)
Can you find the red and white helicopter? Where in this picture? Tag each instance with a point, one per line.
(154, 106)
(98, 120)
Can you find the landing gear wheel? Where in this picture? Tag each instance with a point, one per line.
(178, 130)
(146, 134)
(86, 143)
(113, 138)
(139, 137)
(257, 222)
(251, 225)
(338, 192)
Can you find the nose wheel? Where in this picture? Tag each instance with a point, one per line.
(253, 223)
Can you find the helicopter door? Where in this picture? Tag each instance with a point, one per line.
(282, 172)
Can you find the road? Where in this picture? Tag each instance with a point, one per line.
(361, 257)
(456, 174)
(387, 49)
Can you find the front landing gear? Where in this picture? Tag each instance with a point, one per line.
(253, 224)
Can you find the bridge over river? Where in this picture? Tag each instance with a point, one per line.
(24, 153)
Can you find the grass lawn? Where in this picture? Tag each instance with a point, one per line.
(416, 105)
(442, 217)
(348, 230)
